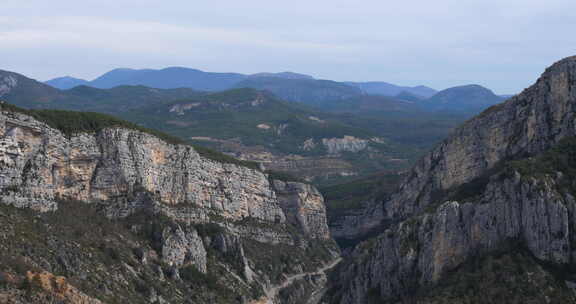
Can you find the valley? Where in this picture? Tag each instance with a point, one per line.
(277, 201)
(325, 140)
(287, 152)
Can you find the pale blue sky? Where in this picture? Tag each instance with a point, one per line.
(503, 45)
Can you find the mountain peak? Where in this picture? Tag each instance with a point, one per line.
(66, 82)
(566, 65)
(464, 97)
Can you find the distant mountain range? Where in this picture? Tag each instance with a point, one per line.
(170, 78)
(287, 85)
(25, 92)
(325, 95)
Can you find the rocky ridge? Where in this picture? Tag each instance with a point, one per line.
(126, 173)
(463, 199)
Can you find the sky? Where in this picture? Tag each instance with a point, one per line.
(503, 45)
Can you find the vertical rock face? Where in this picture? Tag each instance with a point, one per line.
(42, 165)
(421, 250)
(180, 247)
(525, 125)
(205, 212)
(460, 201)
(305, 208)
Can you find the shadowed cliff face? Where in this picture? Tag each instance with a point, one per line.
(464, 199)
(127, 173)
(525, 125)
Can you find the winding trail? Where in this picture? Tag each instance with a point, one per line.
(273, 291)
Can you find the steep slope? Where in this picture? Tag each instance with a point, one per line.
(24, 91)
(117, 215)
(463, 98)
(66, 82)
(479, 192)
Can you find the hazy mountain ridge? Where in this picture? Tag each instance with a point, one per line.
(25, 92)
(296, 88)
(176, 77)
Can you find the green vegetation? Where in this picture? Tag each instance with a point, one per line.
(414, 132)
(97, 254)
(71, 122)
(560, 158)
(308, 91)
(236, 114)
(195, 277)
(514, 276)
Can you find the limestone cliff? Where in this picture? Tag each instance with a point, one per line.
(215, 217)
(344, 144)
(465, 199)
